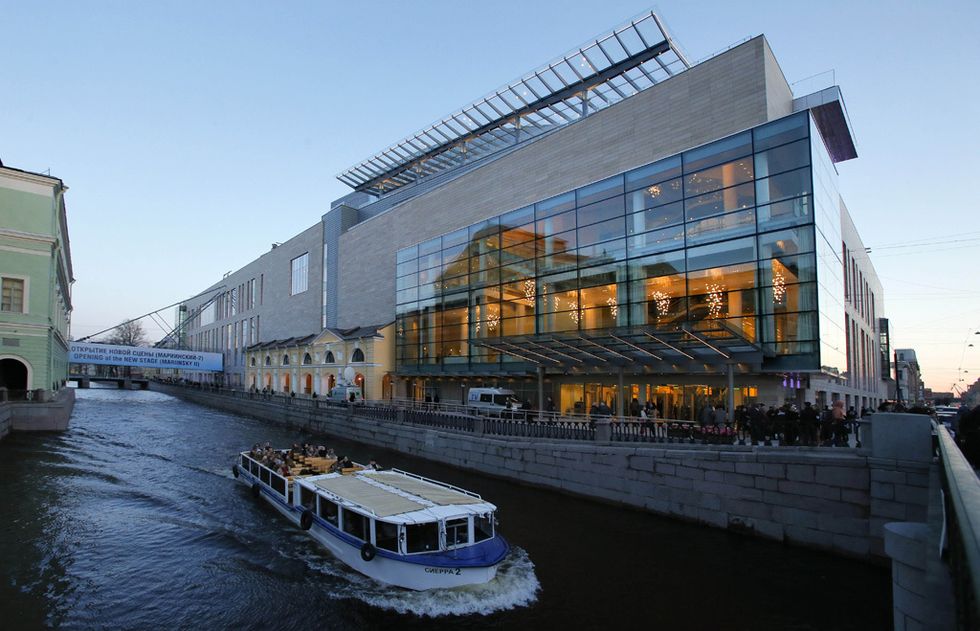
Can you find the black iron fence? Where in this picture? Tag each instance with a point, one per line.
(549, 427)
(772, 431)
(846, 434)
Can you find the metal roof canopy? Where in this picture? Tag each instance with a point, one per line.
(695, 347)
(593, 76)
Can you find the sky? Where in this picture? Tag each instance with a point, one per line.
(193, 135)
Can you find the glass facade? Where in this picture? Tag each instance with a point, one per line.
(830, 283)
(725, 232)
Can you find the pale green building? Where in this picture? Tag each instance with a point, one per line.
(35, 279)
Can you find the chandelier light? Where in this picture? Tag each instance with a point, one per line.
(716, 299)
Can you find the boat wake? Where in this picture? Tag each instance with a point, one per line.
(515, 585)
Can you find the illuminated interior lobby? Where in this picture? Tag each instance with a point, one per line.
(670, 273)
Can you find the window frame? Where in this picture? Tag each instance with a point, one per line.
(299, 274)
(25, 293)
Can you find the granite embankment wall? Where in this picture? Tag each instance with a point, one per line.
(833, 499)
(5, 422)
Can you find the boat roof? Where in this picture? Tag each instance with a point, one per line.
(437, 494)
(381, 502)
(400, 497)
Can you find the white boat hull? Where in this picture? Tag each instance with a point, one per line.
(386, 570)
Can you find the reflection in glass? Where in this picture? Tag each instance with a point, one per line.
(600, 258)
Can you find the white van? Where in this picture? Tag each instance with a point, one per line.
(343, 393)
(491, 400)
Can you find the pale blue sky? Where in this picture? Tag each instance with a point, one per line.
(194, 134)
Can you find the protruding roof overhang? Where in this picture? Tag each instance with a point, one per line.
(830, 115)
(597, 74)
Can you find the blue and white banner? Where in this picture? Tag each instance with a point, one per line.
(145, 357)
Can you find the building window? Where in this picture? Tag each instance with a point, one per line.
(285, 360)
(13, 295)
(307, 359)
(357, 356)
(329, 358)
(300, 274)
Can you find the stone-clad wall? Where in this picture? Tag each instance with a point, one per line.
(731, 92)
(837, 501)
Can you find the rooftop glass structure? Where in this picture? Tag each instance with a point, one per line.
(589, 78)
(699, 259)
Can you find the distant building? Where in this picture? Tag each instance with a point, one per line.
(938, 398)
(908, 377)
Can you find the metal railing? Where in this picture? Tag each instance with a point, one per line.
(961, 496)
(769, 433)
(539, 424)
(551, 428)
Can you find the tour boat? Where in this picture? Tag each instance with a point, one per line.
(393, 526)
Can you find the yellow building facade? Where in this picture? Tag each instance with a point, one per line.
(315, 364)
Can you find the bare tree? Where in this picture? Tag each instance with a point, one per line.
(128, 334)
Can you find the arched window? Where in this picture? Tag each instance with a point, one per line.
(358, 355)
(285, 360)
(307, 360)
(329, 358)
(268, 360)
(253, 363)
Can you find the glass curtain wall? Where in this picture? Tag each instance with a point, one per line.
(722, 232)
(833, 341)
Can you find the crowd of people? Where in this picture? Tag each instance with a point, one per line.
(292, 461)
(788, 423)
(967, 429)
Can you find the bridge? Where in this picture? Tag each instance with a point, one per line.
(125, 383)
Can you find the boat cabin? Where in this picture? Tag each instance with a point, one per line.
(393, 510)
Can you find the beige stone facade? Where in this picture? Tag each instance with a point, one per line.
(363, 357)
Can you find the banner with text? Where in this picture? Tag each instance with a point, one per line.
(82, 353)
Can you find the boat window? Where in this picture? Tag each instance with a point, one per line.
(244, 460)
(253, 467)
(264, 475)
(457, 532)
(328, 511)
(482, 527)
(278, 484)
(307, 498)
(422, 537)
(356, 524)
(386, 535)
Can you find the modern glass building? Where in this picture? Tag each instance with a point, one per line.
(696, 261)
(617, 224)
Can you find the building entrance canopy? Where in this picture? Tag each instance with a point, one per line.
(705, 346)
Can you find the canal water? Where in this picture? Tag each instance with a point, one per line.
(132, 520)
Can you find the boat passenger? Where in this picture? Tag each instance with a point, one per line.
(374, 466)
(346, 462)
(331, 454)
(284, 469)
(337, 466)
(321, 451)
